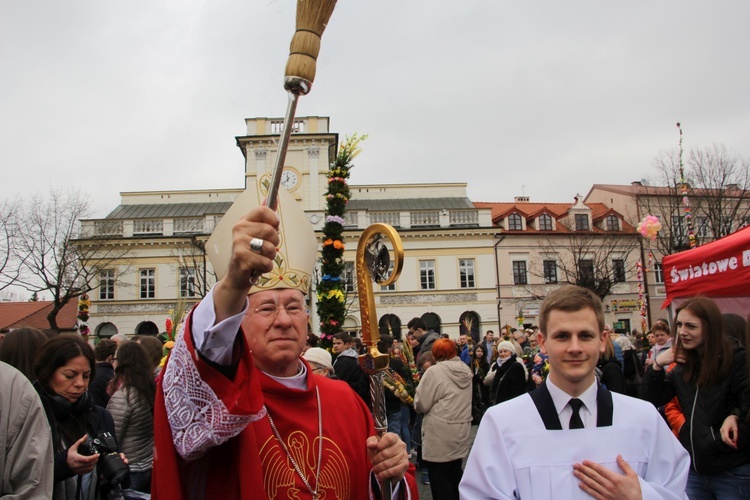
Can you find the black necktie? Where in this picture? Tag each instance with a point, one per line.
(575, 418)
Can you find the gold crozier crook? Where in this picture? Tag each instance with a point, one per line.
(373, 260)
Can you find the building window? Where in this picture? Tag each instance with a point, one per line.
(550, 271)
(107, 284)
(515, 223)
(658, 273)
(519, 272)
(187, 282)
(427, 274)
(618, 270)
(582, 222)
(586, 273)
(148, 283)
(678, 231)
(466, 272)
(545, 222)
(392, 286)
(702, 228)
(613, 223)
(350, 278)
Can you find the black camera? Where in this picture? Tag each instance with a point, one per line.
(111, 465)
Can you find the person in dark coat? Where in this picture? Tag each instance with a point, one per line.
(104, 353)
(509, 378)
(612, 375)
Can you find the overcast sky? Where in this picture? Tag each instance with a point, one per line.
(542, 98)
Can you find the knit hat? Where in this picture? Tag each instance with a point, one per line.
(318, 356)
(298, 248)
(507, 346)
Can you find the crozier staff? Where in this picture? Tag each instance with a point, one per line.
(239, 414)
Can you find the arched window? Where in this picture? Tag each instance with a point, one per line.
(515, 223)
(432, 321)
(147, 328)
(390, 324)
(105, 330)
(468, 324)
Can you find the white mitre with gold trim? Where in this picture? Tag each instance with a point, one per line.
(298, 248)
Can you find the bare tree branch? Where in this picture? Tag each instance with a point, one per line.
(53, 257)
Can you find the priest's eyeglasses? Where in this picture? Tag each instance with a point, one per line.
(272, 310)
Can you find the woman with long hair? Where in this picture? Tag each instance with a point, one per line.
(710, 381)
(479, 368)
(132, 408)
(63, 369)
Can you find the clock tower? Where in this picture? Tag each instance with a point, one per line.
(311, 149)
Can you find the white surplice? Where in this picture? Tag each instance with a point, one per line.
(515, 456)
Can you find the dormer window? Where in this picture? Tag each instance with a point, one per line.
(613, 223)
(582, 222)
(545, 222)
(515, 223)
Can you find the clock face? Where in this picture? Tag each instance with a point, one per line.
(289, 179)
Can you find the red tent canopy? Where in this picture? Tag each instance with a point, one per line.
(718, 269)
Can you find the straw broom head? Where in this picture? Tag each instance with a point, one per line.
(312, 19)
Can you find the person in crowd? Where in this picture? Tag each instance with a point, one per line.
(63, 369)
(735, 327)
(443, 396)
(312, 341)
(489, 343)
(612, 375)
(320, 362)
(633, 369)
(464, 349)
(479, 369)
(617, 349)
(346, 366)
(540, 369)
(104, 353)
(119, 338)
(154, 352)
(20, 348)
(572, 419)
(132, 409)
(522, 341)
(507, 377)
(398, 374)
(26, 460)
(662, 341)
(418, 329)
(710, 381)
(239, 414)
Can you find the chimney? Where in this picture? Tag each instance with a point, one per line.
(521, 199)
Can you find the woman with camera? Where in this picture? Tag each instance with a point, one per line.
(82, 433)
(132, 408)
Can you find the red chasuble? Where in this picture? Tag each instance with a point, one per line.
(253, 465)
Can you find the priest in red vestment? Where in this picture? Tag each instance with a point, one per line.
(239, 414)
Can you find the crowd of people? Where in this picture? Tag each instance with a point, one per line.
(247, 406)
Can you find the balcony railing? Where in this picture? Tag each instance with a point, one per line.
(108, 228)
(390, 218)
(427, 218)
(464, 217)
(148, 227)
(182, 226)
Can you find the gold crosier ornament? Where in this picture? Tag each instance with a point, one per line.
(373, 261)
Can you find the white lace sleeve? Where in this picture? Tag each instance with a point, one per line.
(197, 417)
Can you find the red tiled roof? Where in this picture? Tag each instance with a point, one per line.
(531, 211)
(34, 314)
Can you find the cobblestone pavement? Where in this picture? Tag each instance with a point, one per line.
(424, 489)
